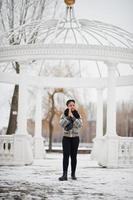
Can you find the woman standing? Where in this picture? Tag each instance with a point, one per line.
(71, 122)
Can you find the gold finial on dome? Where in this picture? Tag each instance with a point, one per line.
(69, 2)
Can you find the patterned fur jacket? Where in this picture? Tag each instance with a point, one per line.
(70, 124)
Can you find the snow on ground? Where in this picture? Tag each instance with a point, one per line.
(40, 181)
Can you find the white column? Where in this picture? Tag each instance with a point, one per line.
(38, 114)
(111, 100)
(39, 150)
(97, 143)
(22, 110)
(99, 120)
(109, 146)
(22, 140)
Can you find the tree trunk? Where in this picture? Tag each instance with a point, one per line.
(52, 114)
(12, 125)
(50, 134)
(50, 122)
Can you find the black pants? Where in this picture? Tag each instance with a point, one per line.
(70, 148)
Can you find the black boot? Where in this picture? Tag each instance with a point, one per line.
(73, 176)
(63, 177)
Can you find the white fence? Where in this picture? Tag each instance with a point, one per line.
(15, 150)
(6, 149)
(125, 152)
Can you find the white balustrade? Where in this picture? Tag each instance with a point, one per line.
(125, 153)
(6, 149)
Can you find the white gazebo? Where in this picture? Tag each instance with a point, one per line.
(70, 39)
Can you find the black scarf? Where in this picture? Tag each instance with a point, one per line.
(75, 113)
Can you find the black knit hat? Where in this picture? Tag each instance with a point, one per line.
(70, 100)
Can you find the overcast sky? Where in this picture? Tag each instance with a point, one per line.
(117, 12)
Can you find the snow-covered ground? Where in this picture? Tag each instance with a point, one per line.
(40, 181)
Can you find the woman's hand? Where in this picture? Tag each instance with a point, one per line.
(70, 113)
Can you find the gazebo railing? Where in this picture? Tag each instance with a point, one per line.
(125, 152)
(6, 149)
(113, 152)
(16, 149)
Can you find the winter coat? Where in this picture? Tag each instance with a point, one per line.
(70, 124)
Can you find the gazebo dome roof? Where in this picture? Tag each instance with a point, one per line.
(83, 31)
(69, 30)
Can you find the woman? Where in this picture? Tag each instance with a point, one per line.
(71, 122)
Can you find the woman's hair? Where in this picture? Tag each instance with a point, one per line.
(70, 100)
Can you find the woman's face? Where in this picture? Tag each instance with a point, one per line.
(71, 106)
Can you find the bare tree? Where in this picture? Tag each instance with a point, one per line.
(14, 15)
(52, 113)
(59, 70)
